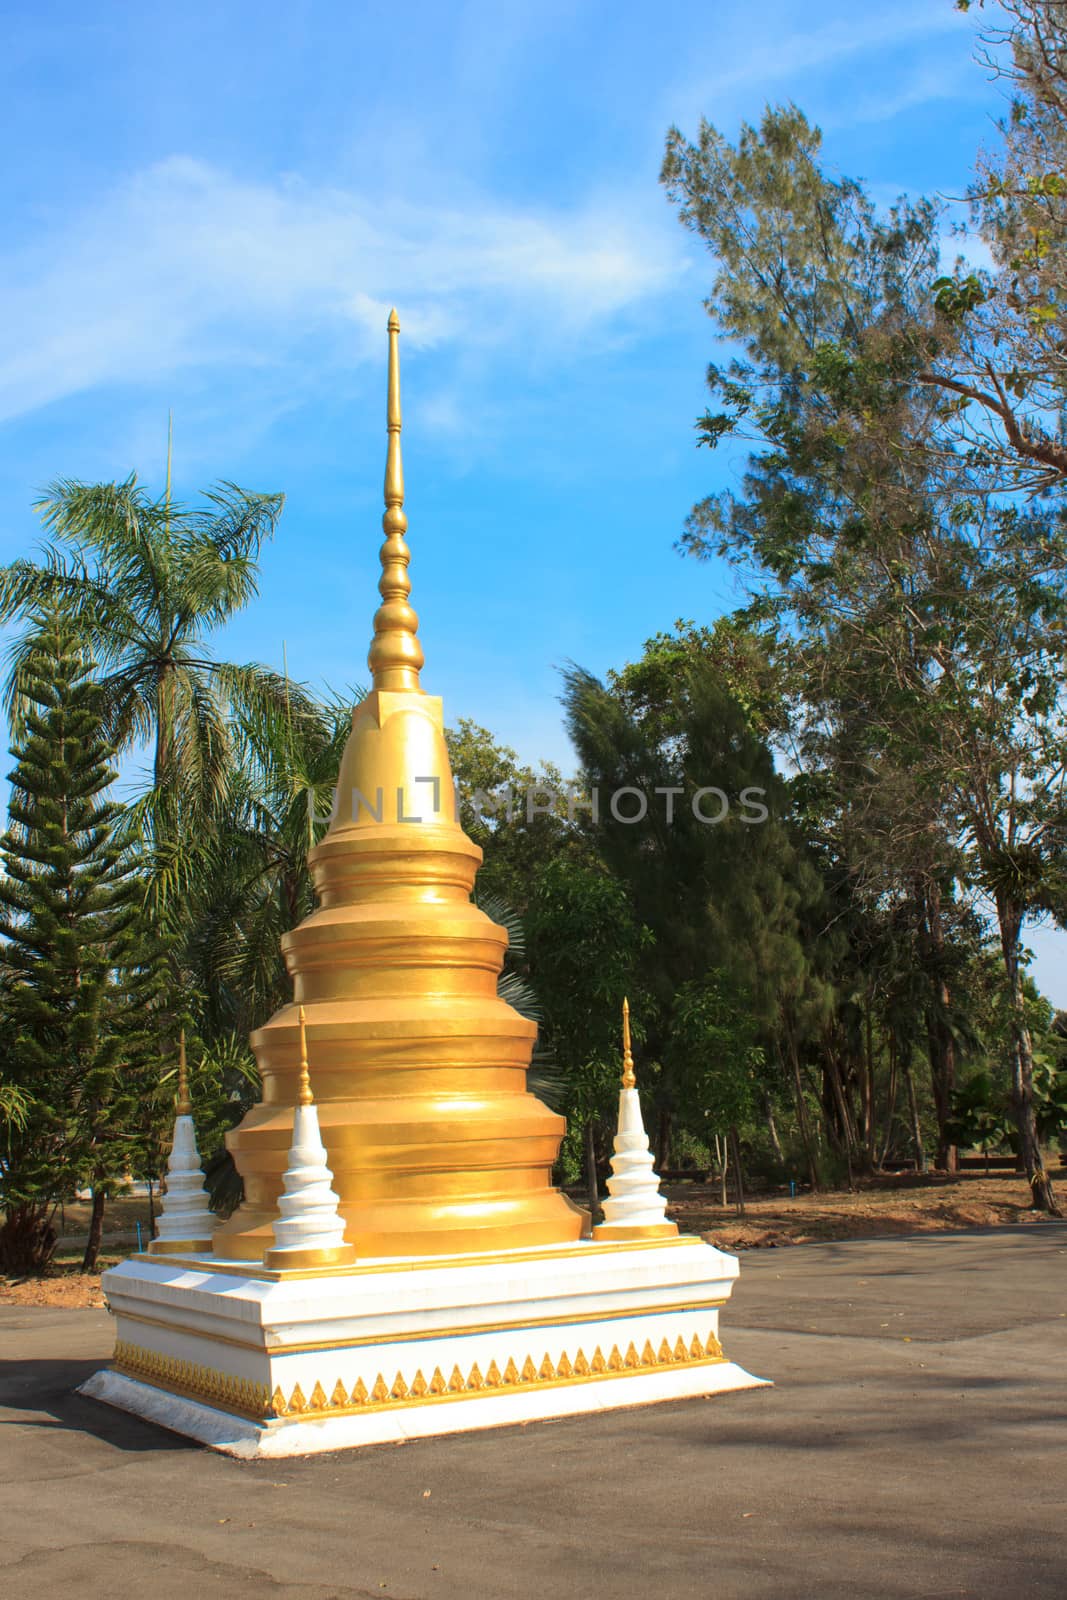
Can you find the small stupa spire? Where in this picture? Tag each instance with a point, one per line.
(184, 1104)
(309, 1230)
(185, 1224)
(635, 1208)
(629, 1080)
(304, 1097)
(395, 653)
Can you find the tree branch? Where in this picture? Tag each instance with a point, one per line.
(1022, 442)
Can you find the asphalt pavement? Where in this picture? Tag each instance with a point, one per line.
(914, 1444)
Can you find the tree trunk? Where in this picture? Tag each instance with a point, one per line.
(913, 1106)
(848, 1132)
(941, 1045)
(942, 1080)
(891, 1097)
(868, 1093)
(722, 1158)
(164, 751)
(739, 1182)
(664, 1130)
(591, 1186)
(96, 1230)
(802, 1114)
(27, 1240)
(151, 1210)
(163, 765)
(1010, 919)
(772, 1130)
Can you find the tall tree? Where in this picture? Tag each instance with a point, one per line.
(585, 947)
(520, 816)
(1001, 366)
(69, 908)
(242, 881)
(693, 819)
(144, 581)
(716, 1060)
(925, 617)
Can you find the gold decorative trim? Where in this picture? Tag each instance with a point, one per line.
(307, 1347)
(211, 1388)
(178, 1247)
(248, 1399)
(255, 1269)
(605, 1232)
(338, 1255)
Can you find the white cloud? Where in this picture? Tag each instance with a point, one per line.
(768, 54)
(184, 265)
(930, 82)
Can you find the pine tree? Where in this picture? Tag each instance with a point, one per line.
(69, 904)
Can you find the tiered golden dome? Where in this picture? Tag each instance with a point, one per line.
(419, 1068)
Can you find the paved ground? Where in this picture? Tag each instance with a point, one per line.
(915, 1445)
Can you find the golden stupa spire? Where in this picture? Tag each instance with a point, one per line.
(395, 653)
(304, 1096)
(628, 1079)
(435, 1143)
(185, 1105)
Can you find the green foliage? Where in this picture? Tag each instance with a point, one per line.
(893, 689)
(981, 1118)
(955, 297)
(1050, 1100)
(922, 622)
(76, 995)
(237, 885)
(714, 1054)
(982, 1113)
(514, 986)
(516, 814)
(143, 582)
(585, 947)
(715, 894)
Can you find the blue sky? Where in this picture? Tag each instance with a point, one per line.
(212, 208)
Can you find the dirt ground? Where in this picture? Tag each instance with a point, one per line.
(65, 1284)
(120, 1217)
(879, 1207)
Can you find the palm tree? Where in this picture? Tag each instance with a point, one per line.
(244, 878)
(543, 1077)
(145, 582)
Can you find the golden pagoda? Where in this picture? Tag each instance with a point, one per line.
(477, 1297)
(435, 1144)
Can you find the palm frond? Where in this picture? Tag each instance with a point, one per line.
(241, 522)
(130, 535)
(506, 917)
(100, 620)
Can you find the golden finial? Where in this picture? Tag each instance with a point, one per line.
(395, 653)
(185, 1105)
(628, 1079)
(304, 1095)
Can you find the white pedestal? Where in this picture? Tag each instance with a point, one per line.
(274, 1363)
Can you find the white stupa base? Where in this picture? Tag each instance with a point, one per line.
(236, 1436)
(260, 1363)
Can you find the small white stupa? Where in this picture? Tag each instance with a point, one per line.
(185, 1224)
(310, 1231)
(635, 1209)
